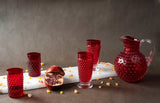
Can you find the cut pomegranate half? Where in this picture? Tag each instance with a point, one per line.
(54, 77)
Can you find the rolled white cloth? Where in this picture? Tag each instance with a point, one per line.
(71, 76)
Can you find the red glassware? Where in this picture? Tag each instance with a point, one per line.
(15, 82)
(94, 47)
(34, 64)
(85, 68)
(131, 65)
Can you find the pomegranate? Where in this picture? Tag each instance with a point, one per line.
(54, 77)
(55, 69)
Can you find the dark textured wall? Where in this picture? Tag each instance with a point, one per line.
(58, 29)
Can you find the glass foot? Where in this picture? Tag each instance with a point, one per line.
(85, 85)
(96, 68)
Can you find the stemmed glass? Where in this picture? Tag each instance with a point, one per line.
(85, 68)
(94, 47)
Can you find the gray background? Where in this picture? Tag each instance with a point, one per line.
(58, 29)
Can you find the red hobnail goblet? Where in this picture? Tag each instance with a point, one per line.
(94, 47)
(85, 68)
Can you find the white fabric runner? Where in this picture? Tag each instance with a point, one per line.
(71, 76)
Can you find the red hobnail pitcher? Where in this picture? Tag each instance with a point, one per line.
(131, 65)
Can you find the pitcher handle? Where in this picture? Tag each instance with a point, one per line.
(151, 53)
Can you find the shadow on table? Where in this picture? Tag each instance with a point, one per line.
(150, 80)
(68, 86)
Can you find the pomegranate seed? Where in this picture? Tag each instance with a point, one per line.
(24, 93)
(48, 91)
(112, 66)
(110, 78)
(42, 81)
(101, 62)
(1, 84)
(97, 78)
(76, 91)
(108, 84)
(71, 75)
(61, 92)
(101, 82)
(26, 70)
(42, 64)
(39, 81)
(106, 65)
(99, 86)
(116, 84)
(29, 95)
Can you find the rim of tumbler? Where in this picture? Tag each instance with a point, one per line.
(93, 41)
(33, 54)
(15, 70)
(84, 54)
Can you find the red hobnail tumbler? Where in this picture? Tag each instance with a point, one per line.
(85, 68)
(94, 47)
(15, 82)
(34, 64)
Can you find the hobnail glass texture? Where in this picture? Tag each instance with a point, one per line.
(15, 82)
(34, 64)
(94, 47)
(85, 68)
(130, 65)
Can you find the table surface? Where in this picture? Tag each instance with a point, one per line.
(145, 91)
